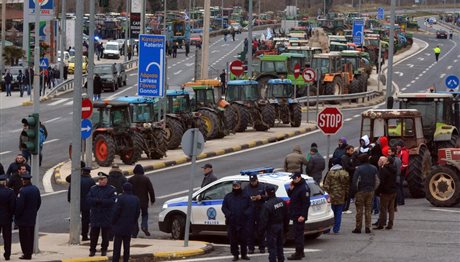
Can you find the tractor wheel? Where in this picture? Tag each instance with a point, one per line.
(202, 127)
(443, 186)
(419, 167)
(174, 132)
(268, 118)
(104, 149)
(161, 146)
(133, 154)
(355, 86)
(363, 81)
(230, 118)
(211, 123)
(334, 87)
(410, 41)
(296, 115)
(242, 118)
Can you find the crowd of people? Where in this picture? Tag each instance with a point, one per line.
(25, 80)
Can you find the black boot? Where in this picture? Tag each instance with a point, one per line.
(295, 256)
(235, 258)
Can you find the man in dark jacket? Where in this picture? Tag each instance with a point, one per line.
(15, 181)
(256, 193)
(8, 78)
(236, 209)
(299, 194)
(274, 220)
(365, 181)
(97, 87)
(295, 161)
(209, 176)
(126, 214)
(116, 178)
(338, 152)
(316, 165)
(348, 163)
(7, 206)
(143, 189)
(101, 199)
(86, 182)
(28, 203)
(13, 167)
(2, 170)
(387, 192)
(223, 80)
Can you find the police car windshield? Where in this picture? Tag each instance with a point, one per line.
(315, 190)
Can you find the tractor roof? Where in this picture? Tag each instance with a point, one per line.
(280, 82)
(134, 99)
(352, 53)
(296, 55)
(424, 95)
(176, 92)
(241, 82)
(326, 55)
(273, 58)
(202, 87)
(204, 82)
(391, 113)
(107, 103)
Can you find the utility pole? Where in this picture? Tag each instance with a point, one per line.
(205, 44)
(359, 8)
(2, 64)
(222, 13)
(76, 131)
(250, 38)
(391, 51)
(142, 31)
(63, 37)
(127, 29)
(258, 11)
(165, 98)
(25, 34)
(36, 103)
(90, 78)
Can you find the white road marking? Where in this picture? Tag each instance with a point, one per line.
(52, 120)
(69, 103)
(189, 64)
(50, 141)
(183, 192)
(5, 152)
(442, 76)
(444, 210)
(124, 90)
(449, 67)
(427, 54)
(355, 116)
(178, 72)
(421, 58)
(59, 101)
(410, 65)
(16, 130)
(348, 119)
(214, 51)
(133, 74)
(403, 89)
(456, 60)
(417, 78)
(412, 82)
(408, 85)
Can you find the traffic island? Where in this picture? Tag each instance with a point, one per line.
(55, 247)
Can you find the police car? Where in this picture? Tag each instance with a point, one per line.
(208, 218)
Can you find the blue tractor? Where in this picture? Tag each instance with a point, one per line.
(245, 97)
(178, 32)
(280, 93)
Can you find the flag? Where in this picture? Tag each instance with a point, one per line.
(186, 17)
(269, 34)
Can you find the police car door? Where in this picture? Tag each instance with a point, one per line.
(207, 214)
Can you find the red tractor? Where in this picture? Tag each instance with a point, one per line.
(442, 185)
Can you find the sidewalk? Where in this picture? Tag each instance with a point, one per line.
(55, 247)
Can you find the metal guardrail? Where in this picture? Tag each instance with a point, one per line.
(351, 98)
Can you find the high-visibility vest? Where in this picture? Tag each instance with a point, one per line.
(437, 50)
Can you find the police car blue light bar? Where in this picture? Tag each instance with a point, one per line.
(256, 171)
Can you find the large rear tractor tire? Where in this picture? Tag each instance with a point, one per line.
(242, 118)
(104, 149)
(161, 145)
(211, 123)
(134, 153)
(443, 186)
(296, 115)
(230, 118)
(363, 81)
(355, 86)
(334, 87)
(268, 118)
(419, 168)
(174, 132)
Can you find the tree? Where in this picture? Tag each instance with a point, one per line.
(11, 55)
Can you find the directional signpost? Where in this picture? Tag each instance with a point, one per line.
(86, 128)
(358, 32)
(44, 63)
(151, 81)
(330, 121)
(380, 13)
(236, 67)
(452, 82)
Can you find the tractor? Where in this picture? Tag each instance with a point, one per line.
(216, 113)
(114, 135)
(335, 26)
(361, 70)
(402, 125)
(440, 114)
(245, 97)
(442, 185)
(335, 77)
(145, 120)
(280, 93)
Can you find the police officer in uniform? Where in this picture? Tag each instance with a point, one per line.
(7, 206)
(299, 194)
(256, 192)
(101, 199)
(274, 220)
(27, 205)
(236, 208)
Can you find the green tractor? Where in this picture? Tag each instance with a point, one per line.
(361, 69)
(251, 109)
(280, 93)
(335, 26)
(114, 135)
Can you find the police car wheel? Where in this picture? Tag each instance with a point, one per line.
(178, 227)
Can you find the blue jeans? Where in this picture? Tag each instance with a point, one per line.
(376, 204)
(8, 89)
(337, 209)
(97, 97)
(400, 191)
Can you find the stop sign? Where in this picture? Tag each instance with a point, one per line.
(330, 120)
(86, 108)
(296, 71)
(236, 67)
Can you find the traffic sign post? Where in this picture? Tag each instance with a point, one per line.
(329, 121)
(452, 82)
(192, 144)
(151, 74)
(236, 67)
(44, 63)
(86, 128)
(296, 75)
(86, 108)
(309, 76)
(358, 32)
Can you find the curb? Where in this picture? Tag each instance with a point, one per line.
(59, 179)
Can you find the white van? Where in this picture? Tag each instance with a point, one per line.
(66, 57)
(111, 50)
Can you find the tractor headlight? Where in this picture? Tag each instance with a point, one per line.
(147, 125)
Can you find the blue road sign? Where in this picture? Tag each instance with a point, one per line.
(46, 7)
(44, 63)
(86, 128)
(380, 13)
(152, 49)
(452, 82)
(358, 31)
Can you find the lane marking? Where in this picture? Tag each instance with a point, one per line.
(178, 72)
(449, 67)
(50, 141)
(403, 89)
(59, 101)
(417, 78)
(348, 119)
(5, 152)
(355, 116)
(69, 103)
(189, 64)
(421, 58)
(52, 120)
(442, 76)
(177, 193)
(124, 90)
(412, 82)
(445, 210)
(133, 74)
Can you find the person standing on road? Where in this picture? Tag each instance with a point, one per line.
(101, 199)
(20, 79)
(126, 213)
(313, 145)
(143, 189)
(232, 32)
(397, 163)
(175, 47)
(316, 165)
(274, 221)
(387, 191)
(187, 49)
(223, 81)
(7, 207)
(236, 209)
(348, 163)
(299, 195)
(225, 35)
(28, 203)
(86, 183)
(403, 154)
(26, 82)
(116, 178)
(338, 152)
(8, 78)
(15, 181)
(294, 162)
(365, 181)
(256, 193)
(97, 87)
(437, 52)
(337, 184)
(209, 176)
(130, 52)
(13, 167)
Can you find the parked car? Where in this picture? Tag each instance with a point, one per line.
(441, 34)
(66, 57)
(71, 68)
(109, 76)
(111, 50)
(14, 70)
(121, 74)
(208, 217)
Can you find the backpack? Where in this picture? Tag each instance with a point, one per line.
(42, 136)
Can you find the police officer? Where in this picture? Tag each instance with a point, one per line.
(274, 220)
(299, 194)
(236, 209)
(7, 205)
(256, 193)
(27, 205)
(437, 52)
(101, 199)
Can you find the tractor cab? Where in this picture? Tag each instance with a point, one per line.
(142, 109)
(327, 62)
(242, 90)
(112, 115)
(207, 92)
(279, 88)
(178, 102)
